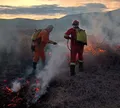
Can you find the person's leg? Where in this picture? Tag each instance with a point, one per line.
(43, 58)
(35, 59)
(34, 64)
(80, 58)
(72, 62)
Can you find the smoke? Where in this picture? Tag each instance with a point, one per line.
(16, 86)
(14, 50)
(99, 27)
(19, 82)
(104, 26)
(56, 66)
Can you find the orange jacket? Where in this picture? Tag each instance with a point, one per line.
(44, 37)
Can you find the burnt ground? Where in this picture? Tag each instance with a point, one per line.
(97, 87)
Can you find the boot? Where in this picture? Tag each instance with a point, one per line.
(72, 70)
(81, 68)
(34, 65)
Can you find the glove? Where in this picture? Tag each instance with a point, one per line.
(67, 37)
(54, 43)
(32, 48)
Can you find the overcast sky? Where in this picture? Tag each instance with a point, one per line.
(40, 9)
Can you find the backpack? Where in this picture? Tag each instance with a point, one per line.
(35, 34)
(81, 36)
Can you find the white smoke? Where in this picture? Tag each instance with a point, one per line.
(56, 66)
(93, 24)
(19, 82)
(16, 86)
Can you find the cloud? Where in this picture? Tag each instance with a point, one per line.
(51, 9)
(117, 0)
(95, 5)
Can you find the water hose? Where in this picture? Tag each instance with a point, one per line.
(68, 45)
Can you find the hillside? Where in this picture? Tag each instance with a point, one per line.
(97, 87)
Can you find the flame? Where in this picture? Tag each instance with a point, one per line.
(102, 51)
(28, 82)
(12, 105)
(37, 89)
(94, 51)
(19, 78)
(37, 81)
(16, 99)
(8, 90)
(49, 53)
(4, 81)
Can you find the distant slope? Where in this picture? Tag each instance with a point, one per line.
(93, 23)
(64, 21)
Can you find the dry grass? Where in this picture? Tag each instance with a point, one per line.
(97, 87)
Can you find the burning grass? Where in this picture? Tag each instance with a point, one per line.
(106, 57)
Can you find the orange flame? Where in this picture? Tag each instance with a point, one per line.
(94, 51)
(37, 89)
(8, 89)
(102, 51)
(12, 105)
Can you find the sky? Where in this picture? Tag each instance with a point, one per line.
(49, 9)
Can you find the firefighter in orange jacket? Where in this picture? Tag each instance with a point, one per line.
(39, 45)
(75, 47)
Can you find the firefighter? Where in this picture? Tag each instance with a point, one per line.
(39, 45)
(78, 40)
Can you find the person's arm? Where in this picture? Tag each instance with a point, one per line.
(66, 35)
(52, 42)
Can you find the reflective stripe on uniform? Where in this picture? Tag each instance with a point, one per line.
(72, 64)
(80, 61)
